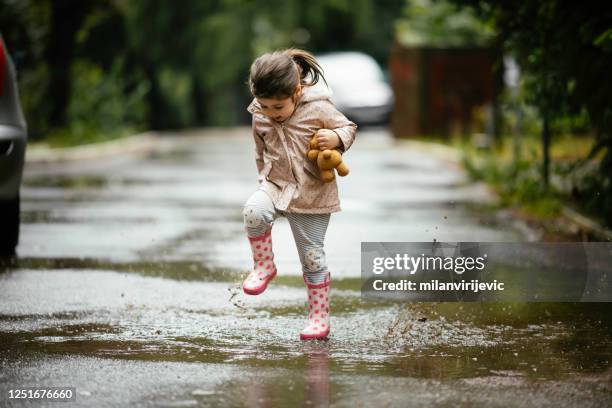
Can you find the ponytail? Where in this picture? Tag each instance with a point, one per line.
(307, 65)
(278, 74)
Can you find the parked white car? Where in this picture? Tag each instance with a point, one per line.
(13, 139)
(358, 85)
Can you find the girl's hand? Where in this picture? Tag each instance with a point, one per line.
(327, 139)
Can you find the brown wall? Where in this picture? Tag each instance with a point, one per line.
(437, 90)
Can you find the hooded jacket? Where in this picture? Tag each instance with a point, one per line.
(291, 180)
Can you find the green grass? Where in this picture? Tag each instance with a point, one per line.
(516, 173)
(77, 135)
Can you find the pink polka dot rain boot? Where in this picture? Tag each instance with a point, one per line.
(318, 311)
(264, 269)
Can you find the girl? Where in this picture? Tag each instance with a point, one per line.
(287, 110)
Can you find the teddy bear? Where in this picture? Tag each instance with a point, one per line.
(327, 161)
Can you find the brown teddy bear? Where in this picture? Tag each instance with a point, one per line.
(327, 161)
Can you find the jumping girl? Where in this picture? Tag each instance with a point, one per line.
(287, 111)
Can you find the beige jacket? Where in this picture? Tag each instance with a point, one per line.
(285, 173)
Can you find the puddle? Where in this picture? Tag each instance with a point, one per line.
(184, 311)
(198, 323)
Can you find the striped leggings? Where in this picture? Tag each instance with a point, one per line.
(308, 231)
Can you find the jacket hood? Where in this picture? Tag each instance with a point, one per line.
(318, 92)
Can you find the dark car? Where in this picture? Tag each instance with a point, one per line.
(13, 139)
(359, 87)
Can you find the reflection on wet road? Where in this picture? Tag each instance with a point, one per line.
(126, 288)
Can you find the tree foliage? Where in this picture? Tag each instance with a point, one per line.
(441, 24)
(565, 51)
(157, 64)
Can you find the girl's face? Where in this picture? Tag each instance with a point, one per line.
(279, 109)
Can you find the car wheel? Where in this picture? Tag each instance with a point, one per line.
(9, 219)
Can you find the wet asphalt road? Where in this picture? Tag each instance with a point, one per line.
(126, 289)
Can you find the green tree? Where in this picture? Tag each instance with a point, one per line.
(565, 50)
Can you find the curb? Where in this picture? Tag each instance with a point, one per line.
(585, 224)
(142, 143)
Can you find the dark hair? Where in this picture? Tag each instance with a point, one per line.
(275, 75)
